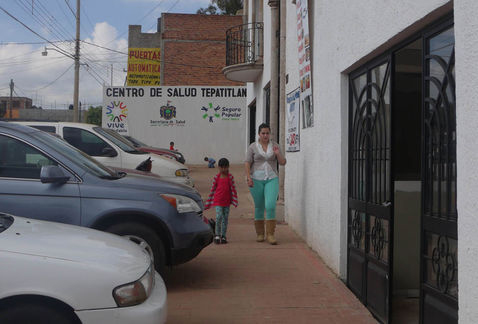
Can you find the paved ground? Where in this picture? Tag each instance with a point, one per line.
(249, 282)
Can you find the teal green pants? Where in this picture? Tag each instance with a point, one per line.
(265, 193)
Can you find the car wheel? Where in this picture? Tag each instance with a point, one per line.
(36, 314)
(146, 238)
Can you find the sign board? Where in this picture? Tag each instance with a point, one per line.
(144, 67)
(305, 74)
(292, 132)
(201, 121)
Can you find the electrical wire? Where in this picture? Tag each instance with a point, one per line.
(68, 4)
(141, 19)
(43, 18)
(64, 14)
(28, 43)
(49, 84)
(34, 32)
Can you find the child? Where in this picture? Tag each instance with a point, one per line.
(223, 194)
(171, 146)
(210, 162)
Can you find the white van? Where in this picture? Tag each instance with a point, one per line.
(112, 149)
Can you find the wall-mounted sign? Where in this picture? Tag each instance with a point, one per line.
(305, 74)
(201, 121)
(144, 67)
(292, 124)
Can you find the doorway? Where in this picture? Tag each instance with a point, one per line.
(406, 173)
(402, 216)
(252, 122)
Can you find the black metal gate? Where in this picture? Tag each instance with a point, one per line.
(370, 188)
(439, 282)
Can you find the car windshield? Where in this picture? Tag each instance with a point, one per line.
(135, 141)
(5, 222)
(119, 140)
(76, 156)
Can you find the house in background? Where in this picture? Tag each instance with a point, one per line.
(17, 103)
(382, 183)
(190, 97)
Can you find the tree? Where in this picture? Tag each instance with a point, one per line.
(223, 7)
(93, 115)
(211, 10)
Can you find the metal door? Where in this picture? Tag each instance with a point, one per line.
(370, 188)
(439, 282)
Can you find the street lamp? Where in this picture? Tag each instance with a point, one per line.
(76, 58)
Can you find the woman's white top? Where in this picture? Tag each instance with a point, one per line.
(263, 163)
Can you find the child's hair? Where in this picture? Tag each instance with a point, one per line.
(263, 125)
(206, 159)
(223, 162)
(171, 143)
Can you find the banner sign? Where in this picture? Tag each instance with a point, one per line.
(198, 119)
(292, 133)
(144, 67)
(305, 74)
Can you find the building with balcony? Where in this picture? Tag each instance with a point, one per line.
(380, 179)
(192, 48)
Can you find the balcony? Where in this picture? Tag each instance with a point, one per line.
(244, 52)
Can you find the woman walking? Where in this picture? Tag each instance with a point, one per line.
(262, 178)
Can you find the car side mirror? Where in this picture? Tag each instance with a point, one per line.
(53, 174)
(108, 151)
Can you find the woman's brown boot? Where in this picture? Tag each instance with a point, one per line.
(270, 230)
(259, 230)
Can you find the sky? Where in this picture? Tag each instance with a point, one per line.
(48, 80)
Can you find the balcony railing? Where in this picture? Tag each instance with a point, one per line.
(244, 44)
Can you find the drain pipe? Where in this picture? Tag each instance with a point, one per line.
(274, 83)
(282, 97)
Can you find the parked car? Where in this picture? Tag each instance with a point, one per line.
(110, 148)
(45, 178)
(57, 273)
(178, 156)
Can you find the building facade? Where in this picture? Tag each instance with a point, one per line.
(192, 48)
(382, 185)
(193, 98)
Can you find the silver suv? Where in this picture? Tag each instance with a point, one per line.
(43, 177)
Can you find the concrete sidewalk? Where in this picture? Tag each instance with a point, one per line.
(249, 282)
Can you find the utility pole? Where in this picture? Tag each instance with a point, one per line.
(11, 97)
(77, 65)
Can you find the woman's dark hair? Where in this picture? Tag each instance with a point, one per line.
(263, 125)
(223, 162)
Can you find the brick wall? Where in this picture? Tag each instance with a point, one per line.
(194, 49)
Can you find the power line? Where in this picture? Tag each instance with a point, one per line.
(68, 4)
(168, 62)
(49, 84)
(149, 12)
(43, 18)
(20, 22)
(29, 43)
(87, 70)
(64, 14)
(106, 48)
(87, 17)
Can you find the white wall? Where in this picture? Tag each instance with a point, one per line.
(193, 135)
(345, 32)
(466, 49)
